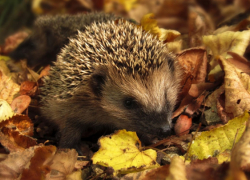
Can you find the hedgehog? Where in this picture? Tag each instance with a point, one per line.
(50, 34)
(113, 75)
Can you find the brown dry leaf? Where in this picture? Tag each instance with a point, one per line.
(8, 144)
(20, 135)
(156, 173)
(199, 24)
(22, 124)
(33, 75)
(240, 156)
(194, 106)
(193, 63)
(44, 72)
(194, 92)
(63, 164)
(211, 115)
(203, 169)
(13, 165)
(8, 88)
(237, 97)
(20, 103)
(13, 41)
(37, 168)
(18, 138)
(239, 62)
(28, 88)
(220, 105)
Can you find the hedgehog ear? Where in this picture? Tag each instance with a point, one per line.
(98, 79)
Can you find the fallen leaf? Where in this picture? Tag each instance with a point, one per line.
(9, 144)
(221, 43)
(210, 143)
(119, 5)
(239, 62)
(240, 157)
(193, 94)
(156, 173)
(76, 175)
(28, 88)
(121, 152)
(203, 169)
(37, 168)
(150, 25)
(224, 156)
(8, 88)
(63, 164)
(20, 103)
(175, 46)
(22, 124)
(13, 41)
(18, 138)
(199, 24)
(6, 111)
(193, 63)
(13, 165)
(237, 97)
(44, 72)
(177, 169)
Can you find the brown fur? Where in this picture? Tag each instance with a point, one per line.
(114, 75)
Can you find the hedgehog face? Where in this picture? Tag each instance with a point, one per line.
(142, 104)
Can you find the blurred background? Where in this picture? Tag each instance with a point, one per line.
(189, 17)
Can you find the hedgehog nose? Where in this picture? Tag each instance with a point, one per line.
(166, 128)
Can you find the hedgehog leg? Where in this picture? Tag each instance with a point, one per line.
(71, 137)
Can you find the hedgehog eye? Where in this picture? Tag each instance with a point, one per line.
(130, 103)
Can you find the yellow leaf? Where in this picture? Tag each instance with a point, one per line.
(149, 24)
(224, 156)
(8, 88)
(221, 43)
(128, 4)
(210, 143)
(120, 151)
(6, 111)
(111, 5)
(76, 175)
(36, 7)
(4, 58)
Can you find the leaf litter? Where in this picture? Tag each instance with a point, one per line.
(214, 90)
